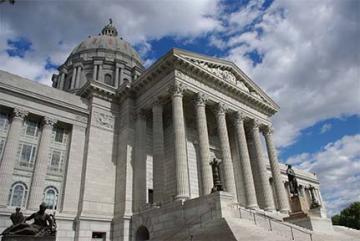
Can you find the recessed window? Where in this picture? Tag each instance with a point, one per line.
(31, 128)
(98, 236)
(4, 121)
(150, 195)
(17, 195)
(2, 145)
(27, 155)
(56, 161)
(50, 197)
(109, 80)
(59, 135)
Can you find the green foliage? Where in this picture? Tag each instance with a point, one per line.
(349, 217)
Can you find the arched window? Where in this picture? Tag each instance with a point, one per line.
(18, 194)
(142, 234)
(109, 80)
(50, 197)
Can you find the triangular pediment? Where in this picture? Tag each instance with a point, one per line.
(227, 72)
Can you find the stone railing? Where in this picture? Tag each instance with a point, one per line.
(290, 231)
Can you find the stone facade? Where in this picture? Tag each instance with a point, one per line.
(121, 152)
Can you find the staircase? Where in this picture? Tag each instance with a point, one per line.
(275, 225)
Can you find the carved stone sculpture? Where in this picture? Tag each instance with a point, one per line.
(314, 201)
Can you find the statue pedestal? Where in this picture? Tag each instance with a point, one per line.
(311, 220)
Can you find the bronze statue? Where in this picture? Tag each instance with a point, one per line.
(292, 181)
(44, 224)
(17, 217)
(215, 166)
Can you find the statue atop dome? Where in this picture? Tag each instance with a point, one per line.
(109, 29)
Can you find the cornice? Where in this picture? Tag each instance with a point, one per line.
(101, 90)
(42, 98)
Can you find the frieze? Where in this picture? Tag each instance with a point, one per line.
(104, 120)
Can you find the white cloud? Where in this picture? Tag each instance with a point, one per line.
(310, 64)
(338, 167)
(46, 24)
(325, 128)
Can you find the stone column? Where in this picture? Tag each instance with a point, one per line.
(249, 186)
(275, 171)
(62, 80)
(73, 78)
(261, 166)
(158, 151)
(116, 76)
(229, 180)
(140, 187)
(41, 164)
(100, 74)
(78, 77)
(204, 149)
(182, 175)
(95, 71)
(9, 156)
(121, 76)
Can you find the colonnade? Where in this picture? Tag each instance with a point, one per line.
(9, 159)
(181, 166)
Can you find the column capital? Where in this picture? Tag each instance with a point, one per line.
(158, 101)
(19, 113)
(200, 99)
(255, 124)
(140, 114)
(220, 109)
(176, 90)
(268, 130)
(239, 116)
(48, 121)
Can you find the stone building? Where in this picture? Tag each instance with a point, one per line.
(121, 152)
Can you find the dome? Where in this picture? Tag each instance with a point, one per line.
(107, 40)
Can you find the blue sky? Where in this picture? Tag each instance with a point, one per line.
(304, 54)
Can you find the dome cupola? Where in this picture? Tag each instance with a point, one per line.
(104, 59)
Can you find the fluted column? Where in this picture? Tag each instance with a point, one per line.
(261, 165)
(41, 164)
(182, 175)
(275, 171)
(251, 200)
(158, 151)
(9, 156)
(204, 149)
(229, 180)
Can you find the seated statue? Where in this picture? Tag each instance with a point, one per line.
(43, 225)
(17, 217)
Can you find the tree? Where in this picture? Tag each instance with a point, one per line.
(349, 217)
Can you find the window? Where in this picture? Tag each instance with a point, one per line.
(31, 128)
(109, 80)
(59, 135)
(18, 194)
(150, 196)
(3, 121)
(56, 161)
(2, 145)
(27, 155)
(50, 197)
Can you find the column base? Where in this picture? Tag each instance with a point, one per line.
(253, 207)
(181, 198)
